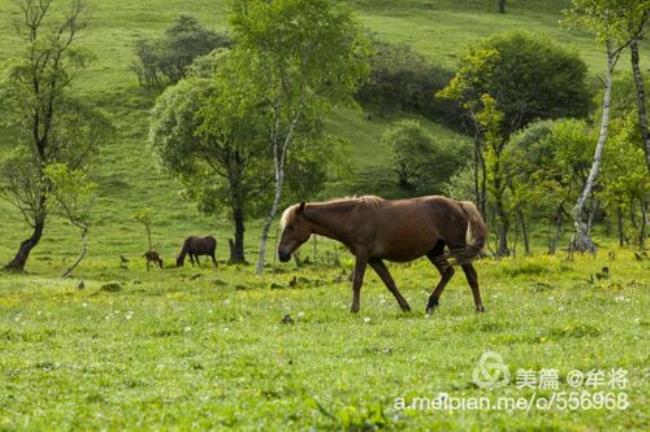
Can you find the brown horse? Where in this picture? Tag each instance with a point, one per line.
(195, 246)
(152, 256)
(374, 229)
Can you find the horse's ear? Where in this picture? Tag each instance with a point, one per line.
(301, 208)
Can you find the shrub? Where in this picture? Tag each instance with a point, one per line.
(163, 61)
(401, 78)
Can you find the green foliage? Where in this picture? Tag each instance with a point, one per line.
(423, 165)
(547, 164)
(404, 79)
(200, 130)
(613, 21)
(165, 60)
(529, 77)
(71, 194)
(624, 176)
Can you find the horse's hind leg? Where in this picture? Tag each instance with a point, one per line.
(437, 258)
(357, 281)
(384, 274)
(214, 260)
(472, 279)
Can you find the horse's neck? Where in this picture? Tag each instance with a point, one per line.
(328, 219)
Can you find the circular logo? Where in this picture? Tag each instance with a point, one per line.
(491, 372)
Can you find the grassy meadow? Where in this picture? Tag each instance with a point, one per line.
(199, 348)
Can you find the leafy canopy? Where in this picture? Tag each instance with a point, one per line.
(529, 77)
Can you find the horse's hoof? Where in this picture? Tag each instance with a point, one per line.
(480, 309)
(354, 309)
(406, 308)
(430, 310)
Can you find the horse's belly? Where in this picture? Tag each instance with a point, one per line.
(401, 251)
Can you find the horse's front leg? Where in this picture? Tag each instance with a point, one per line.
(357, 281)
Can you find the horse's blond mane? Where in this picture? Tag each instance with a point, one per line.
(368, 200)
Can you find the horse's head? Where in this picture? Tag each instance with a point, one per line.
(179, 260)
(296, 230)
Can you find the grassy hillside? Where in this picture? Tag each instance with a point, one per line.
(126, 172)
(209, 349)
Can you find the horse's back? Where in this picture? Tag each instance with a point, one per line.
(408, 228)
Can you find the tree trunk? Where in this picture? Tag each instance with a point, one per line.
(619, 224)
(633, 215)
(477, 192)
(581, 240)
(500, 208)
(644, 222)
(148, 229)
(502, 248)
(279, 158)
(483, 201)
(19, 261)
(592, 214)
(524, 231)
(502, 6)
(640, 99)
(552, 247)
(261, 257)
(237, 249)
(82, 254)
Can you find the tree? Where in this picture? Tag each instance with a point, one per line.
(71, 196)
(506, 82)
(502, 6)
(612, 22)
(637, 21)
(546, 165)
(422, 164)
(210, 141)
(624, 178)
(47, 124)
(165, 60)
(304, 56)
(146, 219)
(402, 78)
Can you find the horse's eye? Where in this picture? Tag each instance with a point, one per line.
(289, 227)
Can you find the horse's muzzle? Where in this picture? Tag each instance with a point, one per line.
(284, 257)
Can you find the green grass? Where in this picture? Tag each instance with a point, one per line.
(206, 349)
(126, 172)
(171, 351)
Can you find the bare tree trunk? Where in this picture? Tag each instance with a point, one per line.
(633, 215)
(619, 225)
(148, 228)
(502, 215)
(261, 257)
(237, 246)
(581, 240)
(279, 158)
(640, 99)
(20, 259)
(515, 241)
(502, 6)
(477, 193)
(592, 214)
(524, 231)
(644, 222)
(82, 254)
(555, 241)
(483, 201)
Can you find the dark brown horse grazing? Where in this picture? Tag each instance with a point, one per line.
(374, 229)
(152, 256)
(195, 246)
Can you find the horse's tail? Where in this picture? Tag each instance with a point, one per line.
(476, 234)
